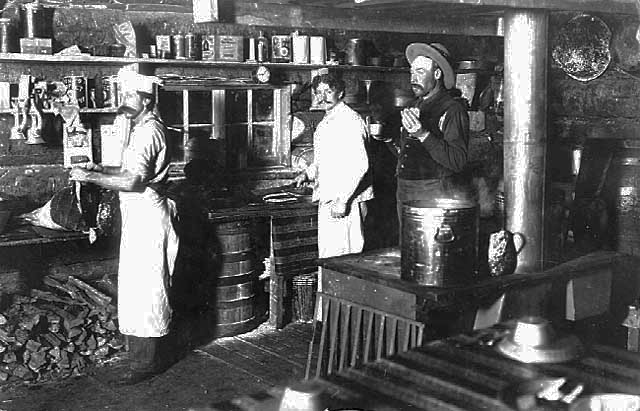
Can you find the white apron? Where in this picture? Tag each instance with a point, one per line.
(339, 236)
(148, 249)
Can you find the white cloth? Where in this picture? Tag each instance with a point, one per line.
(339, 236)
(149, 243)
(339, 169)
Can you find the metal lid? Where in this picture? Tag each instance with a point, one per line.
(443, 203)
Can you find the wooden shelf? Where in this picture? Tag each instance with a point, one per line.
(119, 61)
(105, 110)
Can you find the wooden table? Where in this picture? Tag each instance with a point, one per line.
(369, 312)
(462, 373)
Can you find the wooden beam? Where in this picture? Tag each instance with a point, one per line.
(617, 6)
(400, 21)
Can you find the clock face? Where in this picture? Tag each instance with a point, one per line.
(263, 75)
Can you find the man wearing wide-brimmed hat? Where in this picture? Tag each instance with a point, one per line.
(432, 149)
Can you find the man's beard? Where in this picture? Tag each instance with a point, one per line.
(418, 89)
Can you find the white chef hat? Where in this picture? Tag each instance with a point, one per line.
(132, 81)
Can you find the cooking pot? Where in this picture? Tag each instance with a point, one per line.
(36, 20)
(357, 51)
(439, 242)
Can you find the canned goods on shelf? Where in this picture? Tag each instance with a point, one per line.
(76, 89)
(192, 46)
(178, 46)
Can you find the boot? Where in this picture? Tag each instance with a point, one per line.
(144, 360)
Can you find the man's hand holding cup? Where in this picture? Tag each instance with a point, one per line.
(411, 123)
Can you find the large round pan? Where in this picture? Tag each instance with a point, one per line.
(581, 47)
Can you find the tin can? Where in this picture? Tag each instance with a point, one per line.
(163, 46)
(192, 46)
(110, 91)
(208, 47)
(5, 40)
(76, 87)
(230, 48)
(178, 46)
(280, 49)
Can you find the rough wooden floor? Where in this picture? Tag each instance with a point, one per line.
(213, 374)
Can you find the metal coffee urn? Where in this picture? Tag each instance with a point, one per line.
(439, 242)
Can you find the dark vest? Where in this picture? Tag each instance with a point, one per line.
(415, 162)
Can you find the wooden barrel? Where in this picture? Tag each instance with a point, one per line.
(234, 296)
(625, 181)
(606, 209)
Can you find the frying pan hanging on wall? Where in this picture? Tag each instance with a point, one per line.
(581, 47)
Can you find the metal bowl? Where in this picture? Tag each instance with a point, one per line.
(607, 402)
(533, 331)
(534, 341)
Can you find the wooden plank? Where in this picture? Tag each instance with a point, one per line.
(355, 336)
(334, 319)
(256, 362)
(618, 6)
(308, 16)
(392, 329)
(389, 300)
(345, 314)
(368, 336)
(289, 349)
(326, 303)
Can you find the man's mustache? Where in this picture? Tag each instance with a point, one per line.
(126, 109)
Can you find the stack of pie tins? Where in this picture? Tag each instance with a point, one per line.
(534, 341)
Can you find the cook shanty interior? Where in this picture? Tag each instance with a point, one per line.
(339, 204)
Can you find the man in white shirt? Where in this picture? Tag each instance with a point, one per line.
(340, 171)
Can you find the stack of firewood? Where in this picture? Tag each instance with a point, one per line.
(57, 331)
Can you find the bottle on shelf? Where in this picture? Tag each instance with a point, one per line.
(262, 48)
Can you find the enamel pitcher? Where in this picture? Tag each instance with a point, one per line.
(503, 252)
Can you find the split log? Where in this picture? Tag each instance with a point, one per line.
(37, 360)
(55, 333)
(100, 298)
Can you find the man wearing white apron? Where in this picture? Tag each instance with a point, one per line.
(149, 242)
(340, 171)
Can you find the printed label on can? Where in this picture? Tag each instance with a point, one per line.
(76, 87)
(178, 46)
(192, 46)
(163, 46)
(230, 48)
(280, 49)
(208, 47)
(110, 91)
